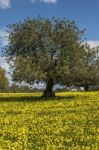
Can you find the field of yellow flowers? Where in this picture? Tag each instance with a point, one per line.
(69, 122)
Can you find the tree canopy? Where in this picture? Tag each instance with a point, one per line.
(46, 50)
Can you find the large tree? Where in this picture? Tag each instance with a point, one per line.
(3, 80)
(46, 50)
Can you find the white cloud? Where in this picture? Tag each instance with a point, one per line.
(49, 1)
(3, 38)
(4, 4)
(93, 43)
(4, 63)
(4, 41)
(45, 1)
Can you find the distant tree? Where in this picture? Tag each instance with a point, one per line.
(19, 88)
(89, 71)
(96, 49)
(3, 80)
(46, 50)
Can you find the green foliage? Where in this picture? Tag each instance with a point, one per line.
(50, 51)
(43, 49)
(3, 80)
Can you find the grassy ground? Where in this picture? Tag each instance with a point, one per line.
(68, 122)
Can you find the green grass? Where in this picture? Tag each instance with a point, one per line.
(68, 122)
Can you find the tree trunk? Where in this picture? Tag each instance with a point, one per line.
(49, 93)
(86, 87)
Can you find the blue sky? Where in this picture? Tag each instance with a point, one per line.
(84, 12)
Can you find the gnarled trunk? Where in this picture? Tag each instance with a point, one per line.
(86, 87)
(49, 93)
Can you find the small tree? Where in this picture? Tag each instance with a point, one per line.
(89, 72)
(3, 80)
(46, 50)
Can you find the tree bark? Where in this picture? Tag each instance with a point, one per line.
(86, 87)
(49, 93)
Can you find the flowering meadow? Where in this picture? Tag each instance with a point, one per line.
(68, 122)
